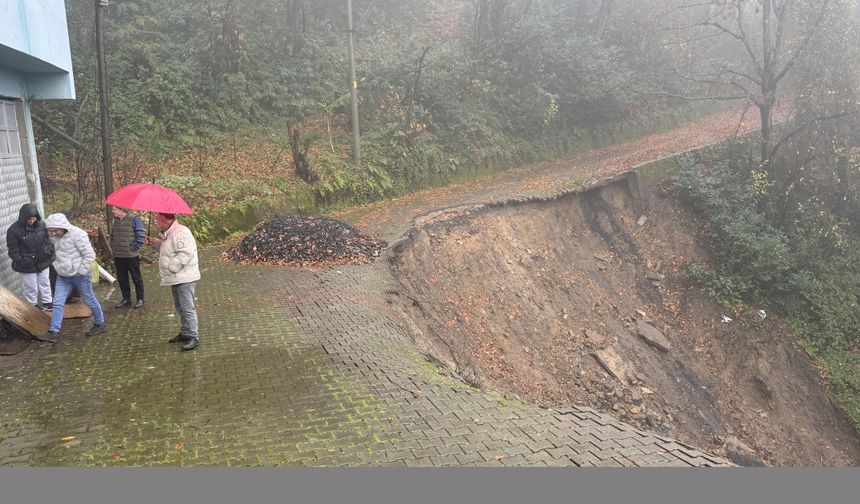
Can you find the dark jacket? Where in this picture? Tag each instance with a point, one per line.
(29, 246)
(127, 236)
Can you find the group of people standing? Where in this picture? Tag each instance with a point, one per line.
(35, 246)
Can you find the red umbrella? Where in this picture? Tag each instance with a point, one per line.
(150, 198)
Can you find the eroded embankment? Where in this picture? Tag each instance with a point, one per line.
(547, 302)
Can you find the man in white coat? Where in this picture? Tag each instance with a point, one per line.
(178, 268)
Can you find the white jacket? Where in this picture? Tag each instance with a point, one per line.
(177, 256)
(75, 254)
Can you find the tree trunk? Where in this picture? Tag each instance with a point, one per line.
(497, 17)
(765, 110)
(768, 85)
(603, 17)
(415, 88)
(296, 25)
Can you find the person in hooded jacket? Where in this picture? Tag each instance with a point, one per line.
(74, 261)
(32, 253)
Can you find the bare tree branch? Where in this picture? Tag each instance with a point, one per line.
(744, 75)
(759, 67)
(741, 120)
(701, 98)
(803, 45)
(805, 125)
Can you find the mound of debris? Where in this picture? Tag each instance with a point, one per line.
(305, 241)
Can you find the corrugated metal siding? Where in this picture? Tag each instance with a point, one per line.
(13, 188)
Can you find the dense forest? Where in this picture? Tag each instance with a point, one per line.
(444, 85)
(237, 101)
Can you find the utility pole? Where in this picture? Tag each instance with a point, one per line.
(356, 141)
(107, 161)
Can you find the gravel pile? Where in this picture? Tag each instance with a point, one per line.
(306, 241)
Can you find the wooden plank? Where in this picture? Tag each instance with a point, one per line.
(77, 310)
(22, 314)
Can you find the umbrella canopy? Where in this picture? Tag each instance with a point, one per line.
(149, 198)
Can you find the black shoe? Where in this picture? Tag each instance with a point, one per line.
(49, 337)
(96, 329)
(138, 304)
(179, 338)
(123, 303)
(190, 345)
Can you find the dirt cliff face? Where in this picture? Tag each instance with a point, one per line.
(582, 301)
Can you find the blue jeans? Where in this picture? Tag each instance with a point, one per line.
(183, 301)
(61, 293)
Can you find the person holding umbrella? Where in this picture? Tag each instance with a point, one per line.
(178, 268)
(126, 237)
(177, 250)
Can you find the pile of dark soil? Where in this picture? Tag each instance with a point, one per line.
(306, 241)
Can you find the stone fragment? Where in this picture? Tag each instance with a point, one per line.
(740, 453)
(653, 336)
(653, 275)
(612, 363)
(594, 337)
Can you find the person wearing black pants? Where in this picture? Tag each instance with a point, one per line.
(127, 236)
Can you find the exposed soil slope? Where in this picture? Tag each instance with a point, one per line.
(544, 302)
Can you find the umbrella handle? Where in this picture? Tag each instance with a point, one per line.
(149, 225)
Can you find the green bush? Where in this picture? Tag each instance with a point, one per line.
(844, 378)
(812, 279)
(752, 258)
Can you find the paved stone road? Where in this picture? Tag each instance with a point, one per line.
(296, 367)
(391, 219)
